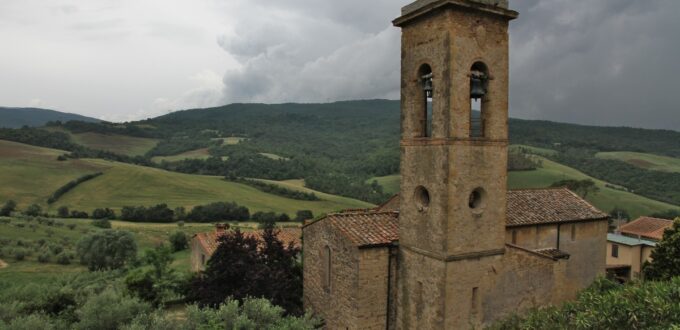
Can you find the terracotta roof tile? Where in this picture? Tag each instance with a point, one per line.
(554, 253)
(366, 229)
(543, 206)
(209, 240)
(647, 227)
(525, 207)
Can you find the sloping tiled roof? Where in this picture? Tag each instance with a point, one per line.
(544, 206)
(525, 207)
(366, 229)
(209, 240)
(648, 227)
(553, 253)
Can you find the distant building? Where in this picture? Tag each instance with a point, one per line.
(203, 245)
(455, 249)
(632, 245)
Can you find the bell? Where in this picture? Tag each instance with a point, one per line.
(477, 89)
(427, 85)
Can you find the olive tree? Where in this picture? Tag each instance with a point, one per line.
(108, 249)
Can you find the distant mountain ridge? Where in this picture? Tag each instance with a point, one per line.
(19, 117)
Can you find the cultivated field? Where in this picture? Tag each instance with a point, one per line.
(120, 144)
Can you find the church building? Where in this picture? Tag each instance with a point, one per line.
(455, 249)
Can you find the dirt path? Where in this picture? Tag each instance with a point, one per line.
(2, 264)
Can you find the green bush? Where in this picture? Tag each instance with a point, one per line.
(19, 254)
(102, 223)
(7, 209)
(63, 259)
(44, 257)
(108, 249)
(109, 310)
(71, 226)
(639, 305)
(178, 241)
(33, 210)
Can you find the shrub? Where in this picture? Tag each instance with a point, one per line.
(109, 310)
(19, 254)
(33, 210)
(102, 223)
(303, 215)
(62, 212)
(71, 226)
(641, 305)
(180, 223)
(44, 257)
(79, 214)
(56, 249)
(108, 249)
(7, 209)
(105, 213)
(178, 241)
(63, 259)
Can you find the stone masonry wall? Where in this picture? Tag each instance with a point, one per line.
(337, 306)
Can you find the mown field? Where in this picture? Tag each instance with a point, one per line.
(645, 161)
(606, 199)
(31, 174)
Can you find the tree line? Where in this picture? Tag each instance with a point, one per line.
(70, 185)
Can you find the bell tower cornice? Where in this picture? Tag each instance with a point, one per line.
(423, 7)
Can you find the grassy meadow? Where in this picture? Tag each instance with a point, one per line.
(645, 161)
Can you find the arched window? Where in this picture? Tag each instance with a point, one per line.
(425, 107)
(479, 88)
(326, 264)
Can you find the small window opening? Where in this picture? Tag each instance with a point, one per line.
(474, 301)
(425, 77)
(327, 269)
(419, 299)
(479, 85)
(422, 198)
(514, 237)
(573, 232)
(203, 259)
(615, 251)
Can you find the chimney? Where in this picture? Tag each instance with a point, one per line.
(220, 228)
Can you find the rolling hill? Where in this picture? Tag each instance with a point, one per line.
(18, 117)
(644, 160)
(31, 174)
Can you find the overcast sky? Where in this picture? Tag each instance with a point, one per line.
(605, 62)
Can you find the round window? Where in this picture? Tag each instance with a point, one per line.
(422, 198)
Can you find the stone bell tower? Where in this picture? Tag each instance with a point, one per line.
(453, 159)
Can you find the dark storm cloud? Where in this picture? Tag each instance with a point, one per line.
(607, 62)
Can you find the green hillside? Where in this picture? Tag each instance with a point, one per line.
(18, 117)
(30, 174)
(644, 160)
(606, 199)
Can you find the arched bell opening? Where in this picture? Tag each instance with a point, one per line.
(479, 89)
(426, 95)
